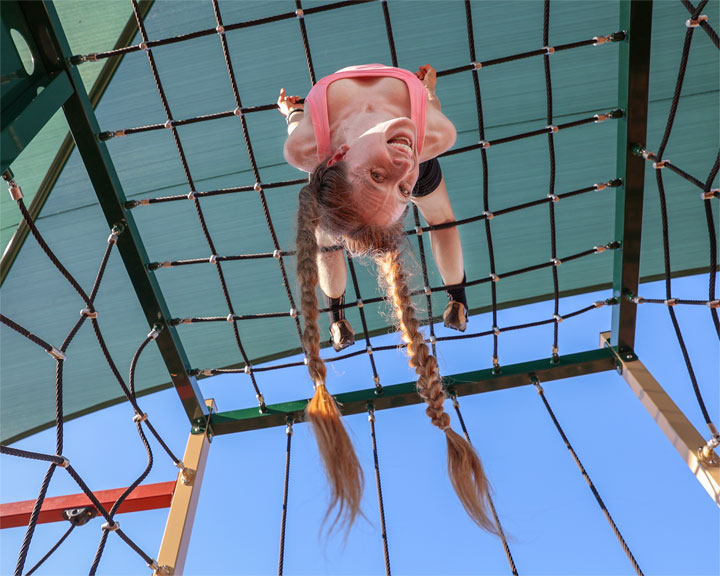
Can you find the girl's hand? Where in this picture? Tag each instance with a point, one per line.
(287, 104)
(428, 76)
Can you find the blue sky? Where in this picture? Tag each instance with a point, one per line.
(668, 520)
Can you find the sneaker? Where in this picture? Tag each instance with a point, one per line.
(341, 335)
(455, 316)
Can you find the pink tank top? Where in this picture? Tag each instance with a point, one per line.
(317, 101)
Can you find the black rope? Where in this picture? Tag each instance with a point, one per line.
(585, 475)
(501, 532)
(33, 518)
(258, 180)
(695, 12)
(713, 243)
(286, 486)
(485, 181)
(381, 505)
(664, 214)
(551, 184)
(51, 551)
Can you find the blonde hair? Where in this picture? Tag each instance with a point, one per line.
(324, 203)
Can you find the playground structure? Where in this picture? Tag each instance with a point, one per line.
(497, 275)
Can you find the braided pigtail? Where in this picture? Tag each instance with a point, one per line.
(342, 467)
(464, 466)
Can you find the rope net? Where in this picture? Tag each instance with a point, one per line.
(483, 221)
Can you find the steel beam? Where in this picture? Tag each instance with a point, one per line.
(671, 420)
(406, 394)
(44, 23)
(144, 497)
(174, 546)
(633, 83)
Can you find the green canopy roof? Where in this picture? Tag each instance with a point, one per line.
(270, 56)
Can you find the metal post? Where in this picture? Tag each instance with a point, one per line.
(633, 82)
(174, 546)
(681, 433)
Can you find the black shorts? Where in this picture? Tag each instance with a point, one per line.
(429, 178)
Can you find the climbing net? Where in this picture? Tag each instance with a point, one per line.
(416, 231)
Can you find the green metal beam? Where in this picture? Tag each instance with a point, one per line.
(633, 83)
(405, 394)
(44, 23)
(21, 122)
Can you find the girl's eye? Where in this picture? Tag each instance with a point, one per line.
(405, 192)
(376, 176)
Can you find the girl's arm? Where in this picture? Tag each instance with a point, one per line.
(440, 133)
(300, 147)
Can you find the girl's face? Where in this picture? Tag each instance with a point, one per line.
(383, 164)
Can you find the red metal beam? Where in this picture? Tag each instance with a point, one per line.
(144, 497)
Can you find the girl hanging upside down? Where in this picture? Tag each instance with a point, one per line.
(369, 140)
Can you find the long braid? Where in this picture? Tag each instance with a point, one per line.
(464, 466)
(342, 467)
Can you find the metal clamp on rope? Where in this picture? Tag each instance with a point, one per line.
(660, 165)
(488, 215)
(299, 14)
(553, 198)
(638, 300)
(55, 353)
(427, 290)
(714, 193)
(247, 369)
(599, 249)
(65, 462)
(220, 29)
(360, 303)
(293, 313)
(277, 254)
(597, 40)
(369, 349)
(169, 123)
(191, 195)
(602, 117)
(257, 187)
(289, 426)
(694, 23)
(213, 259)
(558, 318)
(143, 46)
(476, 65)
(238, 111)
(230, 317)
(494, 277)
(671, 302)
(432, 339)
(154, 333)
(205, 372)
(599, 303)
(15, 190)
(453, 397)
(86, 312)
(496, 330)
(706, 453)
(556, 261)
(138, 418)
(552, 129)
(484, 144)
(601, 186)
(371, 412)
(261, 399)
(713, 304)
(418, 230)
(534, 381)
(111, 527)
(549, 50)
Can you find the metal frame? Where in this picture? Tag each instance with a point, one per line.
(46, 30)
(144, 497)
(176, 539)
(405, 394)
(671, 420)
(633, 83)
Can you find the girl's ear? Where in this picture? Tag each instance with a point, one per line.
(339, 154)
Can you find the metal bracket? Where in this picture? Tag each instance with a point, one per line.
(80, 516)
